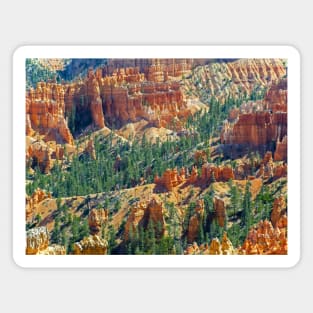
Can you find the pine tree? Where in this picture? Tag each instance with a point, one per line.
(246, 205)
(84, 231)
(56, 233)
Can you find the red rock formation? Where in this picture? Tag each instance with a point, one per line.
(279, 209)
(93, 244)
(261, 123)
(281, 150)
(210, 173)
(39, 154)
(93, 95)
(200, 157)
(97, 218)
(267, 166)
(133, 220)
(256, 129)
(280, 171)
(265, 239)
(32, 201)
(45, 112)
(276, 97)
(158, 102)
(193, 176)
(37, 242)
(220, 211)
(195, 222)
(170, 179)
(144, 215)
(215, 248)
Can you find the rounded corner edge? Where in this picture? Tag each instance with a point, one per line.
(294, 51)
(295, 260)
(18, 262)
(19, 51)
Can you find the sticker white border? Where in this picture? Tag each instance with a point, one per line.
(156, 261)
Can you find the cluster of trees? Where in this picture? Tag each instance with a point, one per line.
(68, 228)
(123, 165)
(36, 72)
(149, 240)
(72, 69)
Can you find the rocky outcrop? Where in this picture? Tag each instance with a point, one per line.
(255, 129)
(214, 248)
(147, 214)
(170, 179)
(96, 219)
(93, 244)
(265, 239)
(243, 76)
(279, 209)
(37, 239)
(281, 150)
(220, 211)
(277, 96)
(261, 124)
(37, 242)
(195, 222)
(160, 103)
(32, 201)
(227, 246)
(45, 113)
(211, 173)
(39, 154)
(280, 170)
(194, 249)
(155, 69)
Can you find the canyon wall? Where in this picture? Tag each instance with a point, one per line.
(259, 125)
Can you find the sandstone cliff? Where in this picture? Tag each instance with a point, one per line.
(261, 124)
(45, 111)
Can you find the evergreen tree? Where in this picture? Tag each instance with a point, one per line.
(247, 210)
